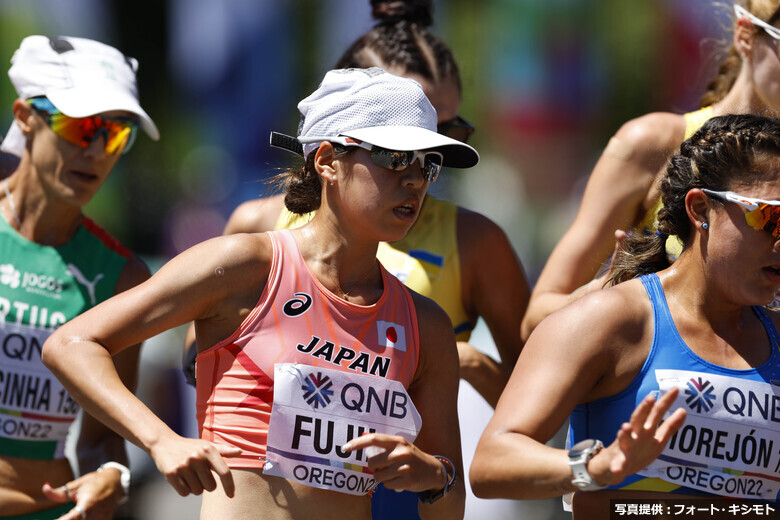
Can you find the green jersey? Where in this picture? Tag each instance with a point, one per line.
(41, 288)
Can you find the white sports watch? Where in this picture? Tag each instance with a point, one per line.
(124, 478)
(579, 455)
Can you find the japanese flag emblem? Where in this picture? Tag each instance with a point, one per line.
(391, 335)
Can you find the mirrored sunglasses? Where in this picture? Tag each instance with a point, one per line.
(119, 133)
(456, 128)
(763, 215)
(396, 160)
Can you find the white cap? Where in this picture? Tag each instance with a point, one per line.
(379, 108)
(80, 77)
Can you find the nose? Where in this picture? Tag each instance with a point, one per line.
(412, 176)
(97, 146)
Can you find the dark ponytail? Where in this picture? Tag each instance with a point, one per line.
(390, 12)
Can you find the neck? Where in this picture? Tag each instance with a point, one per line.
(26, 208)
(346, 268)
(742, 98)
(688, 285)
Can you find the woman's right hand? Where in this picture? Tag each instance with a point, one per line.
(639, 441)
(187, 465)
(398, 463)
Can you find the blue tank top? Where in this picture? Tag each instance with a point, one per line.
(729, 444)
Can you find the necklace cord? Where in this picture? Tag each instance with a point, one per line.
(12, 206)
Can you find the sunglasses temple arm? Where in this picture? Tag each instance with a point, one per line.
(286, 142)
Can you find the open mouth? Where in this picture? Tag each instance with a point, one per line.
(407, 212)
(405, 209)
(772, 273)
(84, 176)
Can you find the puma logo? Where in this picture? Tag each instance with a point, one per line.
(80, 278)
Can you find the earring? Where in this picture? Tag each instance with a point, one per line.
(331, 182)
(704, 225)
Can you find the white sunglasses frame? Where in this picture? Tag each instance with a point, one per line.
(772, 31)
(746, 202)
(419, 155)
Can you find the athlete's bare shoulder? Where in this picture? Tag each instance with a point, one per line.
(255, 216)
(657, 134)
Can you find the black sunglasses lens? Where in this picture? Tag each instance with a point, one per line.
(456, 128)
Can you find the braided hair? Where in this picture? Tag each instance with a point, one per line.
(726, 151)
(401, 39)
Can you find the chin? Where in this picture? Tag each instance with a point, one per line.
(395, 237)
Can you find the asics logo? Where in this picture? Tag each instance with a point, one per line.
(297, 306)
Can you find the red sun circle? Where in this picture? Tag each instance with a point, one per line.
(391, 334)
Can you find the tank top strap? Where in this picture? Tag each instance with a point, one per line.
(770, 328)
(656, 294)
(695, 120)
(664, 328)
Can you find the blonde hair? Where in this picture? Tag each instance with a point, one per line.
(719, 86)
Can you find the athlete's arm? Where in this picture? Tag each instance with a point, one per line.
(252, 216)
(615, 198)
(494, 287)
(215, 283)
(434, 392)
(99, 492)
(589, 350)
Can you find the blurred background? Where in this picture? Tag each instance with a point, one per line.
(545, 82)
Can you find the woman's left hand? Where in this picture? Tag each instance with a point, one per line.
(95, 496)
(398, 463)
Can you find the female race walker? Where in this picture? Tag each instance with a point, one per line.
(458, 258)
(692, 338)
(317, 370)
(76, 114)
(623, 189)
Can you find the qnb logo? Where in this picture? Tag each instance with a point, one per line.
(10, 276)
(700, 395)
(297, 306)
(317, 390)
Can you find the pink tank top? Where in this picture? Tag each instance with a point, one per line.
(297, 320)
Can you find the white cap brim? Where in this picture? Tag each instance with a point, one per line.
(404, 138)
(78, 103)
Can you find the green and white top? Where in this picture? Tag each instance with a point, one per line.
(42, 287)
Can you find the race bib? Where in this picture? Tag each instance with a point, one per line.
(34, 406)
(730, 442)
(317, 410)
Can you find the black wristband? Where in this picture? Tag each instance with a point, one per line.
(429, 497)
